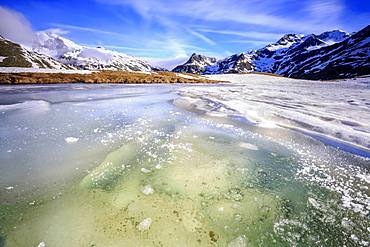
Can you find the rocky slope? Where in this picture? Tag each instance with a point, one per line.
(330, 55)
(196, 64)
(15, 55)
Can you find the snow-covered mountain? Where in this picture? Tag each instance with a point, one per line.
(84, 57)
(15, 55)
(345, 59)
(332, 54)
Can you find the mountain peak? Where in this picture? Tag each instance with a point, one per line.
(201, 58)
(196, 64)
(333, 36)
(285, 42)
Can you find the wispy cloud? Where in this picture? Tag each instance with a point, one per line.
(260, 43)
(252, 12)
(202, 37)
(247, 34)
(129, 48)
(85, 29)
(328, 10)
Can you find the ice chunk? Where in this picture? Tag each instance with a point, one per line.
(42, 244)
(144, 170)
(248, 146)
(107, 173)
(147, 190)
(145, 224)
(240, 241)
(71, 139)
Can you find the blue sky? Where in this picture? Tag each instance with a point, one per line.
(167, 31)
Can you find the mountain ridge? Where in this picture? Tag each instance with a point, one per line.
(52, 51)
(85, 57)
(330, 55)
(299, 56)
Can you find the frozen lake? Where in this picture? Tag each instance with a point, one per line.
(242, 164)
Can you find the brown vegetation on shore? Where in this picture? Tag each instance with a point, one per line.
(101, 77)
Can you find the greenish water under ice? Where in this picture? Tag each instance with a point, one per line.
(125, 166)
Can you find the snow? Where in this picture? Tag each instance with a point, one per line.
(185, 76)
(53, 45)
(40, 70)
(68, 52)
(39, 60)
(97, 53)
(145, 72)
(2, 58)
(337, 112)
(332, 37)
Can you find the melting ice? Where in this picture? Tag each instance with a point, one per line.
(118, 165)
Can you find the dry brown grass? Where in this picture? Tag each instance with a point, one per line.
(100, 77)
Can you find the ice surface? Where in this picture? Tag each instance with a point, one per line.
(336, 110)
(176, 160)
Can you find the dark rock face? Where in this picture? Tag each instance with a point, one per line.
(196, 64)
(330, 55)
(235, 64)
(12, 55)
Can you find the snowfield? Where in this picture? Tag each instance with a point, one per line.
(40, 70)
(336, 112)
